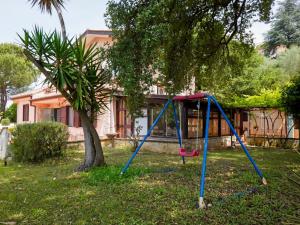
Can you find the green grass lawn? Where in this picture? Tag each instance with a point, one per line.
(158, 189)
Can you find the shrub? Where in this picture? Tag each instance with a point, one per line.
(37, 141)
(11, 113)
(5, 122)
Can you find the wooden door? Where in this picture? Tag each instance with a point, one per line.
(123, 121)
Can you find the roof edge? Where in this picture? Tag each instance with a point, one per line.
(107, 32)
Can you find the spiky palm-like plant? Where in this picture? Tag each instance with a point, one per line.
(78, 72)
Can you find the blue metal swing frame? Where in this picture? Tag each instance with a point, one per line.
(203, 170)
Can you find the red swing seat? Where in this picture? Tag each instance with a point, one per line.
(184, 153)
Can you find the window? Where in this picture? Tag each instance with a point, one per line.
(77, 121)
(26, 112)
(166, 125)
(159, 129)
(55, 115)
(213, 124)
(225, 129)
(194, 122)
(123, 119)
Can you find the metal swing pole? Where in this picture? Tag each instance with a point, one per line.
(146, 136)
(264, 181)
(202, 181)
(178, 129)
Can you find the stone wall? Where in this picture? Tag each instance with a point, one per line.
(170, 145)
(273, 142)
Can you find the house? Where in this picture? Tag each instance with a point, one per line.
(46, 104)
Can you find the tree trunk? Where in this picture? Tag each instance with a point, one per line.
(92, 143)
(61, 21)
(99, 157)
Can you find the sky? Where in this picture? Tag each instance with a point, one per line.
(79, 15)
(16, 15)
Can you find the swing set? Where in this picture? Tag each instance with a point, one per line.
(195, 152)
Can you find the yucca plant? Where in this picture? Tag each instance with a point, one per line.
(79, 74)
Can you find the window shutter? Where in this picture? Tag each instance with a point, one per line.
(77, 122)
(58, 115)
(26, 112)
(63, 115)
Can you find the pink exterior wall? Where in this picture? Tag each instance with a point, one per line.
(105, 123)
(20, 112)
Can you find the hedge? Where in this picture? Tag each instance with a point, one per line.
(38, 141)
(5, 122)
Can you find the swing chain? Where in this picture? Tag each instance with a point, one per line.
(198, 117)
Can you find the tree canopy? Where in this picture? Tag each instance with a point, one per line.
(178, 41)
(289, 62)
(11, 113)
(15, 71)
(47, 6)
(291, 97)
(258, 84)
(285, 28)
(269, 81)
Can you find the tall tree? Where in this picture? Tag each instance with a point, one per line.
(291, 97)
(289, 62)
(285, 28)
(254, 82)
(48, 5)
(179, 41)
(15, 72)
(78, 73)
(11, 113)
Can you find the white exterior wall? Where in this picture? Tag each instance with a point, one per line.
(105, 124)
(76, 134)
(106, 121)
(20, 112)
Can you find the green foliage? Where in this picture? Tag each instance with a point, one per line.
(289, 62)
(11, 113)
(266, 98)
(5, 122)
(51, 193)
(257, 84)
(47, 5)
(111, 174)
(15, 71)
(178, 41)
(238, 80)
(285, 28)
(37, 141)
(291, 97)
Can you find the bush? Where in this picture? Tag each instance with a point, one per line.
(11, 113)
(5, 122)
(37, 141)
